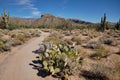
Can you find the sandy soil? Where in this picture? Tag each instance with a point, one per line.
(16, 65)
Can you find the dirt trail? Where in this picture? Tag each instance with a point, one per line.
(16, 65)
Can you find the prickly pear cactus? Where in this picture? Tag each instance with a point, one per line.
(61, 59)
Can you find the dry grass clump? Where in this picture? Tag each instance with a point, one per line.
(20, 37)
(5, 46)
(78, 40)
(46, 30)
(34, 32)
(101, 52)
(67, 41)
(28, 33)
(97, 72)
(93, 45)
(84, 33)
(1, 46)
(108, 40)
(67, 33)
(1, 34)
(82, 52)
(75, 32)
(93, 34)
(16, 37)
(117, 70)
(53, 38)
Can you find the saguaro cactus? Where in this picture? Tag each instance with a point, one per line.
(117, 26)
(103, 23)
(5, 19)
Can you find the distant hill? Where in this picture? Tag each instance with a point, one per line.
(78, 21)
(21, 21)
(46, 19)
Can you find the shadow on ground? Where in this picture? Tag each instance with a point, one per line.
(37, 65)
(118, 53)
(88, 75)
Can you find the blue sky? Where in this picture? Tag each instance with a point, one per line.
(88, 10)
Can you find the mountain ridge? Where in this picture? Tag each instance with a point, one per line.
(45, 18)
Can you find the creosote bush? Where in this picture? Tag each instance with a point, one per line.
(78, 40)
(117, 68)
(67, 41)
(93, 45)
(12, 38)
(61, 61)
(97, 72)
(101, 52)
(1, 46)
(53, 38)
(108, 40)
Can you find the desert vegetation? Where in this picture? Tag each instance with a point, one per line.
(17, 37)
(72, 51)
(98, 55)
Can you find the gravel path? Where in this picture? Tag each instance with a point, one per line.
(17, 65)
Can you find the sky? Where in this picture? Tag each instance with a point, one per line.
(88, 10)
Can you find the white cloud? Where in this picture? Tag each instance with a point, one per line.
(28, 4)
(36, 13)
(24, 2)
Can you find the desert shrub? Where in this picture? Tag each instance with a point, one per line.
(1, 33)
(82, 52)
(4, 44)
(89, 75)
(67, 33)
(15, 37)
(84, 33)
(1, 46)
(108, 40)
(97, 72)
(93, 45)
(117, 68)
(93, 34)
(5, 39)
(7, 47)
(101, 52)
(16, 42)
(67, 41)
(35, 34)
(20, 37)
(61, 61)
(78, 40)
(46, 30)
(53, 38)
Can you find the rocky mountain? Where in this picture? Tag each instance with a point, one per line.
(48, 19)
(45, 19)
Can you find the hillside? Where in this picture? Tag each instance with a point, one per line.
(46, 19)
